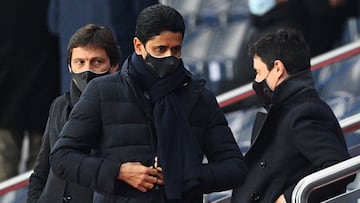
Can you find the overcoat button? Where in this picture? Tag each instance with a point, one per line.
(263, 164)
(255, 197)
(67, 199)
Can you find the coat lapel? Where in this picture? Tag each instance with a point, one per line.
(258, 125)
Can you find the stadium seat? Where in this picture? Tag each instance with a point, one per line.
(214, 12)
(189, 9)
(238, 11)
(222, 57)
(195, 49)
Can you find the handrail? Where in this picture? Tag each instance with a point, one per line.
(335, 55)
(324, 177)
(235, 95)
(15, 183)
(350, 123)
(330, 174)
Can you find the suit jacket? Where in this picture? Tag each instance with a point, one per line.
(298, 136)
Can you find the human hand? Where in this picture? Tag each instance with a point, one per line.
(281, 199)
(139, 176)
(159, 175)
(159, 169)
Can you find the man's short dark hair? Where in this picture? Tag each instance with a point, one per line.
(95, 36)
(286, 45)
(158, 18)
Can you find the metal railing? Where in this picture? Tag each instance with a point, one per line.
(15, 183)
(333, 173)
(325, 177)
(350, 124)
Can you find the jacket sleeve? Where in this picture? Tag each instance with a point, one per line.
(71, 157)
(320, 139)
(42, 166)
(225, 168)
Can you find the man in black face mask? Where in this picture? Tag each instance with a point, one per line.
(151, 125)
(299, 134)
(92, 52)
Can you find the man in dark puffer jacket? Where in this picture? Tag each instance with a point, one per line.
(151, 126)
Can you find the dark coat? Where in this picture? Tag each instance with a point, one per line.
(110, 117)
(29, 69)
(298, 136)
(44, 185)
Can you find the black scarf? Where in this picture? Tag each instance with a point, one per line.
(75, 94)
(177, 148)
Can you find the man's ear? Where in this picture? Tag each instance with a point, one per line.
(114, 68)
(280, 69)
(138, 46)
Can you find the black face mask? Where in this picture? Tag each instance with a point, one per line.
(263, 91)
(162, 66)
(82, 79)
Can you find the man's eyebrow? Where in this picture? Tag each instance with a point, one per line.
(97, 57)
(75, 59)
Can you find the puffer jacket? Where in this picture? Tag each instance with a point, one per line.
(112, 116)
